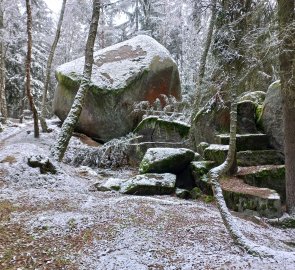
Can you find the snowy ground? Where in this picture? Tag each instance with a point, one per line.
(60, 221)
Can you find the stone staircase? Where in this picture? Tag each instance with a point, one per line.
(259, 185)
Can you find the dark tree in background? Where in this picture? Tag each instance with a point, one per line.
(287, 75)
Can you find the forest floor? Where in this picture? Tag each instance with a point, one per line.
(59, 221)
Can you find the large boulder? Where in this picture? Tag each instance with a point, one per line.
(139, 69)
(271, 118)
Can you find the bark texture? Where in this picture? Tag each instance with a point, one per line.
(3, 105)
(48, 67)
(28, 69)
(287, 73)
(74, 114)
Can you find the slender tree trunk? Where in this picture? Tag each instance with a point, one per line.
(287, 74)
(3, 106)
(136, 16)
(207, 44)
(74, 114)
(48, 68)
(28, 69)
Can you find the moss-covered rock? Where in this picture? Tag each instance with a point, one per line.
(257, 97)
(164, 160)
(216, 152)
(139, 69)
(259, 157)
(136, 151)
(252, 200)
(271, 176)
(149, 184)
(155, 129)
(214, 118)
(182, 193)
(256, 141)
(196, 193)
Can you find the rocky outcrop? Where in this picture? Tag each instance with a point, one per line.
(139, 69)
(214, 118)
(272, 116)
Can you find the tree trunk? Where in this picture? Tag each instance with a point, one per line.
(136, 16)
(74, 114)
(287, 73)
(28, 69)
(207, 44)
(48, 68)
(216, 173)
(3, 106)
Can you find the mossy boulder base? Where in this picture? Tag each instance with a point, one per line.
(139, 69)
(166, 160)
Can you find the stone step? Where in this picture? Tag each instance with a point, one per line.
(256, 141)
(259, 157)
(218, 153)
(242, 197)
(267, 176)
(135, 151)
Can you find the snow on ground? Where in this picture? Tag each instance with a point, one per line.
(60, 222)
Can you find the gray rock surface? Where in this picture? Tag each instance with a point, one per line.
(166, 160)
(144, 184)
(272, 116)
(139, 69)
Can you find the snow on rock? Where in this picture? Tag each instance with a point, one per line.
(150, 184)
(139, 69)
(145, 184)
(166, 160)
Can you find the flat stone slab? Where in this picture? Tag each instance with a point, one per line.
(247, 141)
(242, 197)
(166, 160)
(267, 176)
(144, 184)
(216, 152)
(259, 157)
(155, 129)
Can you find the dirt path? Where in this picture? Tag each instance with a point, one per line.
(59, 222)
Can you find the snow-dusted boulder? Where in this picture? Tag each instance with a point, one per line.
(166, 160)
(150, 184)
(272, 116)
(145, 184)
(139, 69)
